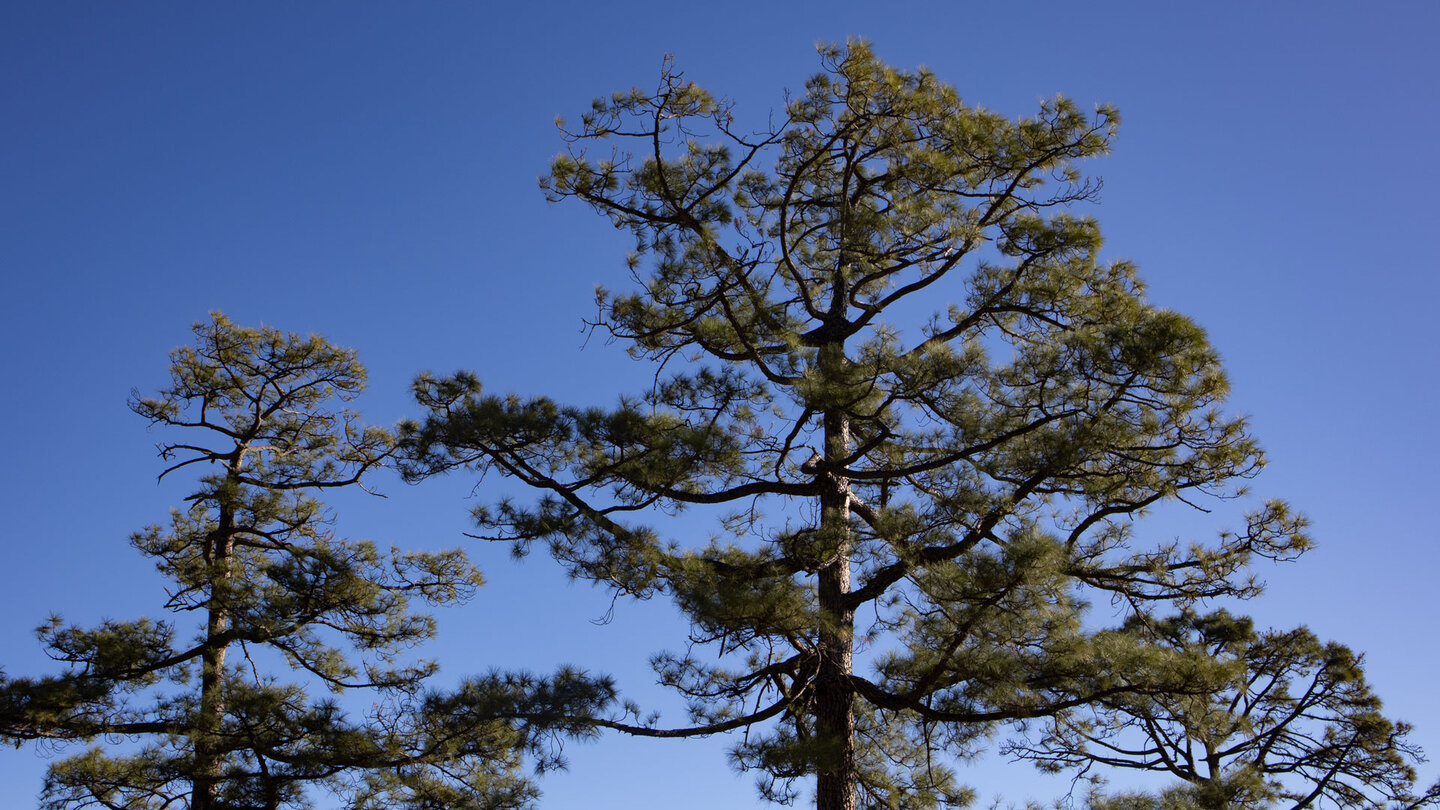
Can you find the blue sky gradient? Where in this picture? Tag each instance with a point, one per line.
(368, 171)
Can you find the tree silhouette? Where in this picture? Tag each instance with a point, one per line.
(1286, 722)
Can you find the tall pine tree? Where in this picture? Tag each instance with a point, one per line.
(885, 342)
(257, 571)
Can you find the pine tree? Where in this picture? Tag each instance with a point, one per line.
(918, 501)
(1288, 722)
(254, 562)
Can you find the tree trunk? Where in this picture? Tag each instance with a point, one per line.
(205, 787)
(835, 778)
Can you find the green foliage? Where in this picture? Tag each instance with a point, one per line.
(1282, 721)
(1178, 798)
(254, 562)
(940, 494)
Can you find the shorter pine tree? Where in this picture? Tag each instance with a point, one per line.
(254, 563)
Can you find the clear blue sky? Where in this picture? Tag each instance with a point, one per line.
(368, 171)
